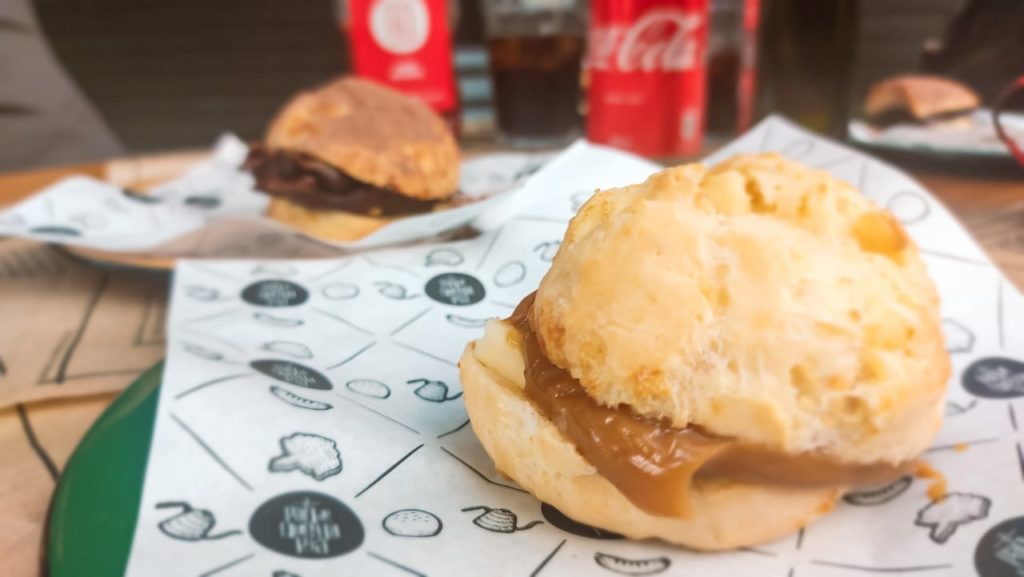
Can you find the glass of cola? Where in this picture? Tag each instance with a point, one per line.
(536, 49)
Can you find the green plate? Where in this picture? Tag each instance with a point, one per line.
(94, 509)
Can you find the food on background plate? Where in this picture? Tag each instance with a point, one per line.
(715, 356)
(351, 156)
(920, 99)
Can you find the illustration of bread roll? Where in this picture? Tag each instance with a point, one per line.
(412, 523)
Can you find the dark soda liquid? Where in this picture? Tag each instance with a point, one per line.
(723, 86)
(536, 82)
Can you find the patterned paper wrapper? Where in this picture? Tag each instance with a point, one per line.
(215, 211)
(310, 419)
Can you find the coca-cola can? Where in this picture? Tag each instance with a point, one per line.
(747, 81)
(646, 67)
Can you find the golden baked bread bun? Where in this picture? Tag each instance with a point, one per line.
(921, 97)
(759, 300)
(326, 224)
(374, 134)
(530, 449)
(715, 356)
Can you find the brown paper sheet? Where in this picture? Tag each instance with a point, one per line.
(73, 329)
(71, 335)
(35, 442)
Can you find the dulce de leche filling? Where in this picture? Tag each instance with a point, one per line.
(653, 463)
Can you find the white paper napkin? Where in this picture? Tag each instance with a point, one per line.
(214, 211)
(310, 419)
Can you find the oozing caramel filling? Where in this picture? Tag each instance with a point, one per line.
(653, 463)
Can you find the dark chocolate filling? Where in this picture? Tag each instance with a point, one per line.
(311, 182)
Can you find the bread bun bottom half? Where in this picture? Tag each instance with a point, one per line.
(325, 224)
(528, 448)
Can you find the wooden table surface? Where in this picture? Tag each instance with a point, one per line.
(37, 437)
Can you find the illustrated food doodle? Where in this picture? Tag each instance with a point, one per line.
(297, 401)
(201, 351)
(393, 291)
(498, 520)
(953, 409)
(412, 523)
(624, 566)
(510, 273)
(276, 321)
(369, 388)
(340, 291)
(203, 293)
(290, 348)
(314, 455)
(909, 207)
(578, 198)
(276, 269)
(190, 524)
(879, 495)
(433, 391)
(466, 322)
(798, 148)
(951, 511)
(959, 339)
(547, 250)
(444, 257)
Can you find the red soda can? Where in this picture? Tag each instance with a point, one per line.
(747, 81)
(646, 66)
(407, 45)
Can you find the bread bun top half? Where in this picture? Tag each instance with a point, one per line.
(920, 95)
(374, 134)
(759, 300)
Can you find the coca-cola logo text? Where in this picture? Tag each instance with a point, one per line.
(662, 39)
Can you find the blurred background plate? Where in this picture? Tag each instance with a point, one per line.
(975, 138)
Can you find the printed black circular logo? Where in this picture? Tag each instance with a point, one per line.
(207, 202)
(56, 231)
(453, 288)
(292, 373)
(275, 293)
(140, 197)
(995, 378)
(1000, 552)
(306, 524)
(558, 519)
